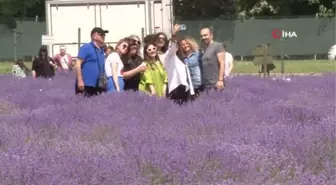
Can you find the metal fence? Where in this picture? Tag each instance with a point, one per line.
(23, 42)
(299, 36)
(291, 36)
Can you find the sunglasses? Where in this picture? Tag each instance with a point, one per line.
(124, 46)
(151, 49)
(161, 38)
(136, 42)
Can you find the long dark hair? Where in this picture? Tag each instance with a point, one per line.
(43, 48)
(149, 39)
(165, 47)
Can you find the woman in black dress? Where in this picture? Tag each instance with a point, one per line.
(43, 65)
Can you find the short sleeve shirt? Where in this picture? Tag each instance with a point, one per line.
(154, 75)
(93, 63)
(130, 64)
(113, 58)
(210, 63)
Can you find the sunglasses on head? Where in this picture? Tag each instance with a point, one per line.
(151, 49)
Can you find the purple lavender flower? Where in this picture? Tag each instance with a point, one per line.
(254, 132)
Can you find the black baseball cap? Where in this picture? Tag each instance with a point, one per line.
(99, 31)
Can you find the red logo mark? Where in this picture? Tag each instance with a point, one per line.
(276, 33)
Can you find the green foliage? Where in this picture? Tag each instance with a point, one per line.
(20, 8)
(201, 9)
(210, 9)
(198, 9)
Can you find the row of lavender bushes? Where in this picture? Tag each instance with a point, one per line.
(255, 132)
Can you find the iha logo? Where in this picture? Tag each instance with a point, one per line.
(278, 34)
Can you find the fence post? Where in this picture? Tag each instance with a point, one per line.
(142, 33)
(14, 45)
(282, 57)
(79, 38)
(265, 48)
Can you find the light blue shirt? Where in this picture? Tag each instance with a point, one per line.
(193, 63)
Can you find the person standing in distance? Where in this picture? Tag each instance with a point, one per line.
(90, 63)
(213, 61)
(228, 62)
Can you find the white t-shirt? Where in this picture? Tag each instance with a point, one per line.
(228, 63)
(113, 58)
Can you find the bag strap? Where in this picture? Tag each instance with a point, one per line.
(66, 62)
(100, 70)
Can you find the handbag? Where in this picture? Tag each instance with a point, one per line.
(102, 80)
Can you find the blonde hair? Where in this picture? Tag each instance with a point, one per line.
(193, 44)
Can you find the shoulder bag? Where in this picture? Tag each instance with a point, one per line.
(102, 76)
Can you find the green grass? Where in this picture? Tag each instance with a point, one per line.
(291, 66)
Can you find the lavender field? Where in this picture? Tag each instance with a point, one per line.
(256, 132)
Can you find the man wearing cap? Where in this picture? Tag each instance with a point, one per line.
(90, 63)
(63, 60)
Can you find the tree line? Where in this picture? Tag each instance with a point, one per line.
(196, 9)
(212, 9)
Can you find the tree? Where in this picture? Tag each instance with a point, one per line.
(205, 9)
(323, 8)
(21, 8)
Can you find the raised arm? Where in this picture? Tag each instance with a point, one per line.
(172, 43)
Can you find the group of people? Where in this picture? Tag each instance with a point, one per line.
(43, 65)
(174, 67)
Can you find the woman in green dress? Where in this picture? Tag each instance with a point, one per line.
(154, 80)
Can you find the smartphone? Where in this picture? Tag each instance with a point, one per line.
(183, 27)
